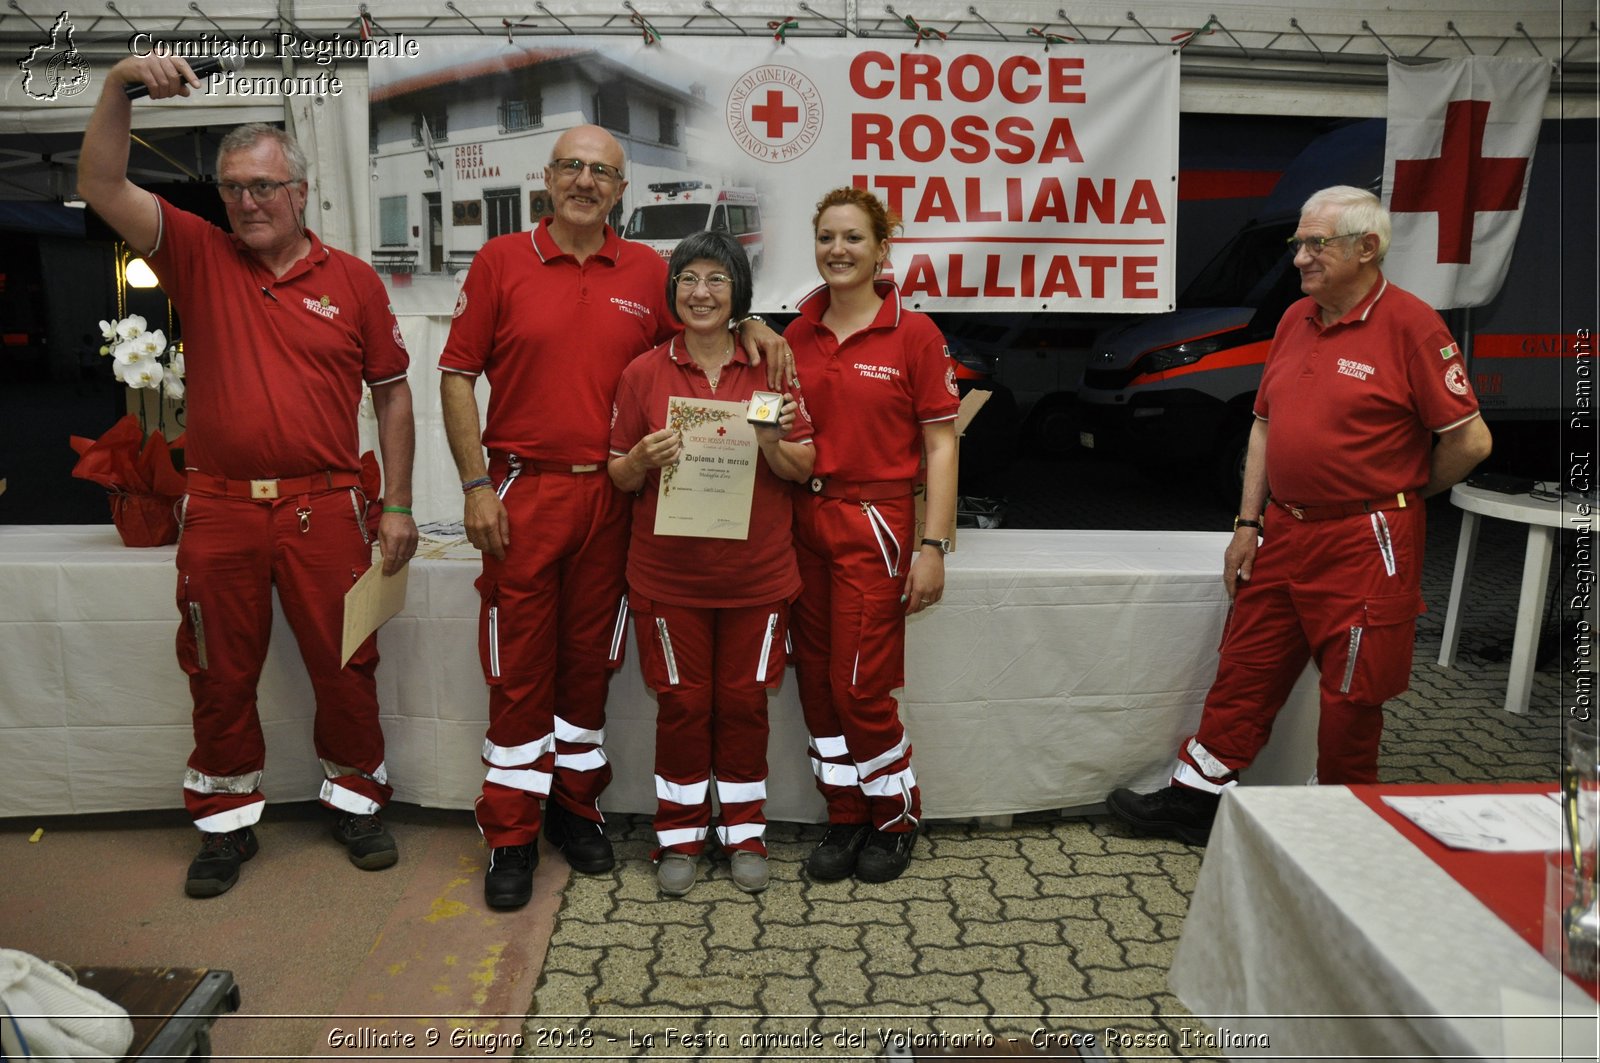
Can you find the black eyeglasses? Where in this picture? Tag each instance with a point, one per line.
(1316, 244)
(603, 172)
(260, 191)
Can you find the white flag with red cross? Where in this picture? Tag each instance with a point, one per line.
(1461, 137)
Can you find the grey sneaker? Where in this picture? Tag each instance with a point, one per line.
(676, 873)
(749, 870)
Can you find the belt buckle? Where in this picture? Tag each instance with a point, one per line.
(585, 468)
(1296, 512)
(263, 489)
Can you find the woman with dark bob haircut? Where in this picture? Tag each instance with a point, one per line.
(711, 613)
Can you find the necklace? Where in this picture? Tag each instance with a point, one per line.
(713, 377)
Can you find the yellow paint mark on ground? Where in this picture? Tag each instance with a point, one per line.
(36, 835)
(452, 961)
(397, 968)
(445, 909)
(484, 975)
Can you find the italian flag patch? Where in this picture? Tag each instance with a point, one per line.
(1449, 352)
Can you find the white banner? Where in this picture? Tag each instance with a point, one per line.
(1460, 143)
(1026, 178)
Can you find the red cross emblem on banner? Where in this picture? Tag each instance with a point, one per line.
(775, 114)
(1460, 181)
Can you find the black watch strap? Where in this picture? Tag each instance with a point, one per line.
(942, 544)
(1241, 522)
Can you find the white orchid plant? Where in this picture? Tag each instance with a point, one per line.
(140, 357)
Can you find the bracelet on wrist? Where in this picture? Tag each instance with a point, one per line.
(469, 486)
(406, 510)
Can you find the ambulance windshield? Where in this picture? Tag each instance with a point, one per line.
(666, 221)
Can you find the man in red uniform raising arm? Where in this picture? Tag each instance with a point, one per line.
(551, 317)
(279, 334)
(1326, 558)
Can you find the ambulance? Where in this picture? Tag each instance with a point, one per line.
(1176, 390)
(671, 210)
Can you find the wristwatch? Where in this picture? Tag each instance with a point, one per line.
(942, 544)
(1241, 522)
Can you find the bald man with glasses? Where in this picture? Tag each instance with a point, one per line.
(280, 332)
(550, 318)
(1370, 411)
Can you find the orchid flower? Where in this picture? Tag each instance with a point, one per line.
(143, 374)
(151, 344)
(131, 327)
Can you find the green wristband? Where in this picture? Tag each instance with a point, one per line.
(397, 509)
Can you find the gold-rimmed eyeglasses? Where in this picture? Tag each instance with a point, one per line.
(603, 172)
(1316, 244)
(690, 281)
(260, 191)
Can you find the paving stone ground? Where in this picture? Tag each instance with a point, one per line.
(1052, 926)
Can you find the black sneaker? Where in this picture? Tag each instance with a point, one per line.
(1180, 812)
(885, 855)
(216, 869)
(582, 841)
(835, 856)
(371, 848)
(509, 881)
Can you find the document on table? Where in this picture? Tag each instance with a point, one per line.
(708, 493)
(373, 599)
(1487, 823)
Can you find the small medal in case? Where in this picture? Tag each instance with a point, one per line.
(764, 408)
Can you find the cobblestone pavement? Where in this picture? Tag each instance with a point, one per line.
(1052, 925)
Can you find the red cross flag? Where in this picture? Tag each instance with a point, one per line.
(1461, 135)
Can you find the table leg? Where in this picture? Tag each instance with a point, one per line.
(1530, 614)
(1465, 547)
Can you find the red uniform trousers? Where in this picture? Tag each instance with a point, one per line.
(232, 552)
(1345, 592)
(550, 633)
(711, 669)
(849, 653)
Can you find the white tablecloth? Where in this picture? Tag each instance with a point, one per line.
(1319, 927)
(1060, 665)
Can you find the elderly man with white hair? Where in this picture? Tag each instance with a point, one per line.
(1365, 409)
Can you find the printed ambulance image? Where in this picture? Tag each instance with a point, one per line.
(1177, 389)
(671, 210)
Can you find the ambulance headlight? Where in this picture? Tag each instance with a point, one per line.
(1159, 361)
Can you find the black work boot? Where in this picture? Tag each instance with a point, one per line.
(216, 868)
(508, 883)
(835, 856)
(1180, 812)
(582, 841)
(371, 848)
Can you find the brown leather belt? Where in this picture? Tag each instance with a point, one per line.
(205, 483)
(859, 490)
(1347, 509)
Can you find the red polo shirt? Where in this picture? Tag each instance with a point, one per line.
(273, 365)
(553, 335)
(1353, 406)
(683, 570)
(870, 395)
